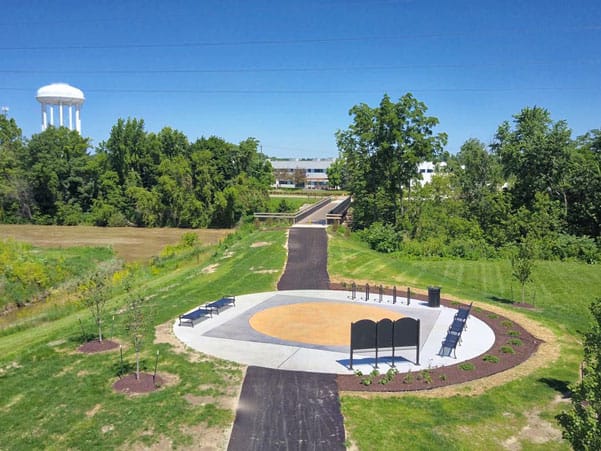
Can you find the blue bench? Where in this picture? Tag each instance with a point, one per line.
(226, 301)
(449, 345)
(195, 315)
(453, 338)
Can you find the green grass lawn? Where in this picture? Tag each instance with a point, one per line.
(520, 413)
(53, 397)
(294, 203)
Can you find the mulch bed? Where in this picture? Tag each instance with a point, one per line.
(94, 346)
(145, 384)
(426, 379)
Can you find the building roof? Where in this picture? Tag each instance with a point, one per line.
(317, 163)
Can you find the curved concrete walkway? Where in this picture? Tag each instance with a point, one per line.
(229, 336)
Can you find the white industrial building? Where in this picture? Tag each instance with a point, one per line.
(293, 173)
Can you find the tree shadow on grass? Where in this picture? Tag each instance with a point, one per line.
(501, 300)
(558, 385)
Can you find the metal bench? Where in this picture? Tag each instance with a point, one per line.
(224, 302)
(195, 315)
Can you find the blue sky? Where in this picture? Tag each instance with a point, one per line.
(287, 72)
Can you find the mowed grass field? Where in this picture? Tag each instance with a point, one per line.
(53, 397)
(129, 243)
(516, 413)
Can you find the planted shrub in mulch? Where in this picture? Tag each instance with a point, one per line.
(94, 346)
(497, 360)
(145, 384)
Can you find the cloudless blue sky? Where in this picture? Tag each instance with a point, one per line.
(287, 72)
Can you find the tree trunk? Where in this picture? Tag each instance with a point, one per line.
(137, 365)
(98, 321)
(523, 293)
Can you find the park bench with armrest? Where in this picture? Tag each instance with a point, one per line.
(195, 315)
(226, 301)
(453, 338)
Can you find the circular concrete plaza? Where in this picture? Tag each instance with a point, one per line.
(309, 330)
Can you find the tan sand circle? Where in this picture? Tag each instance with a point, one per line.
(320, 323)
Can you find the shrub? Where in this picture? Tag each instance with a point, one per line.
(575, 247)
(515, 342)
(381, 237)
(513, 333)
(506, 323)
(467, 366)
(507, 350)
(490, 358)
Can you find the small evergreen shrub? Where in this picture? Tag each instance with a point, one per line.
(490, 358)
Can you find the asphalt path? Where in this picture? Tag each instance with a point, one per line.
(292, 410)
(307, 265)
(287, 410)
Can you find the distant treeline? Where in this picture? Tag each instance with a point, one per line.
(534, 185)
(134, 178)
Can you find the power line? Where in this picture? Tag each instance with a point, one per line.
(304, 69)
(325, 40)
(320, 91)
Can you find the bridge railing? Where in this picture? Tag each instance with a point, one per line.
(295, 217)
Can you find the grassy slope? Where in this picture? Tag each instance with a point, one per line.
(53, 397)
(294, 202)
(563, 293)
(49, 392)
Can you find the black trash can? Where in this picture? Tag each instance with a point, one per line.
(433, 296)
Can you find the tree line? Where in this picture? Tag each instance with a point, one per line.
(133, 178)
(534, 185)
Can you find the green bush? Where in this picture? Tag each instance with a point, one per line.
(381, 237)
(515, 342)
(581, 248)
(467, 366)
(490, 358)
(507, 350)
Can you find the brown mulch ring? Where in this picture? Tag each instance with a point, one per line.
(513, 346)
(94, 346)
(145, 384)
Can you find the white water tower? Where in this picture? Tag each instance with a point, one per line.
(60, 95)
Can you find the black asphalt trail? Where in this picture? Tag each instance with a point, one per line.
(292, 410)
(288, 410)
(307, 265)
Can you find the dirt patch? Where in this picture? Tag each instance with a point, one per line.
(145, 384)
(162, 444)
(260, 244)
(129, 243)
(206, 438)
(210, 269)
(536, 431)
(164, 334)
(264, 271)
(93, 411)
(92, 347)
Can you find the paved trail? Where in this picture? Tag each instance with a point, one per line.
(288, 410)
(292, 410)
(307, 265)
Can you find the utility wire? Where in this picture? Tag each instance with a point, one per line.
(325, 40)
(305, 69)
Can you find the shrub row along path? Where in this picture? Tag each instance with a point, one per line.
(292, 410)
